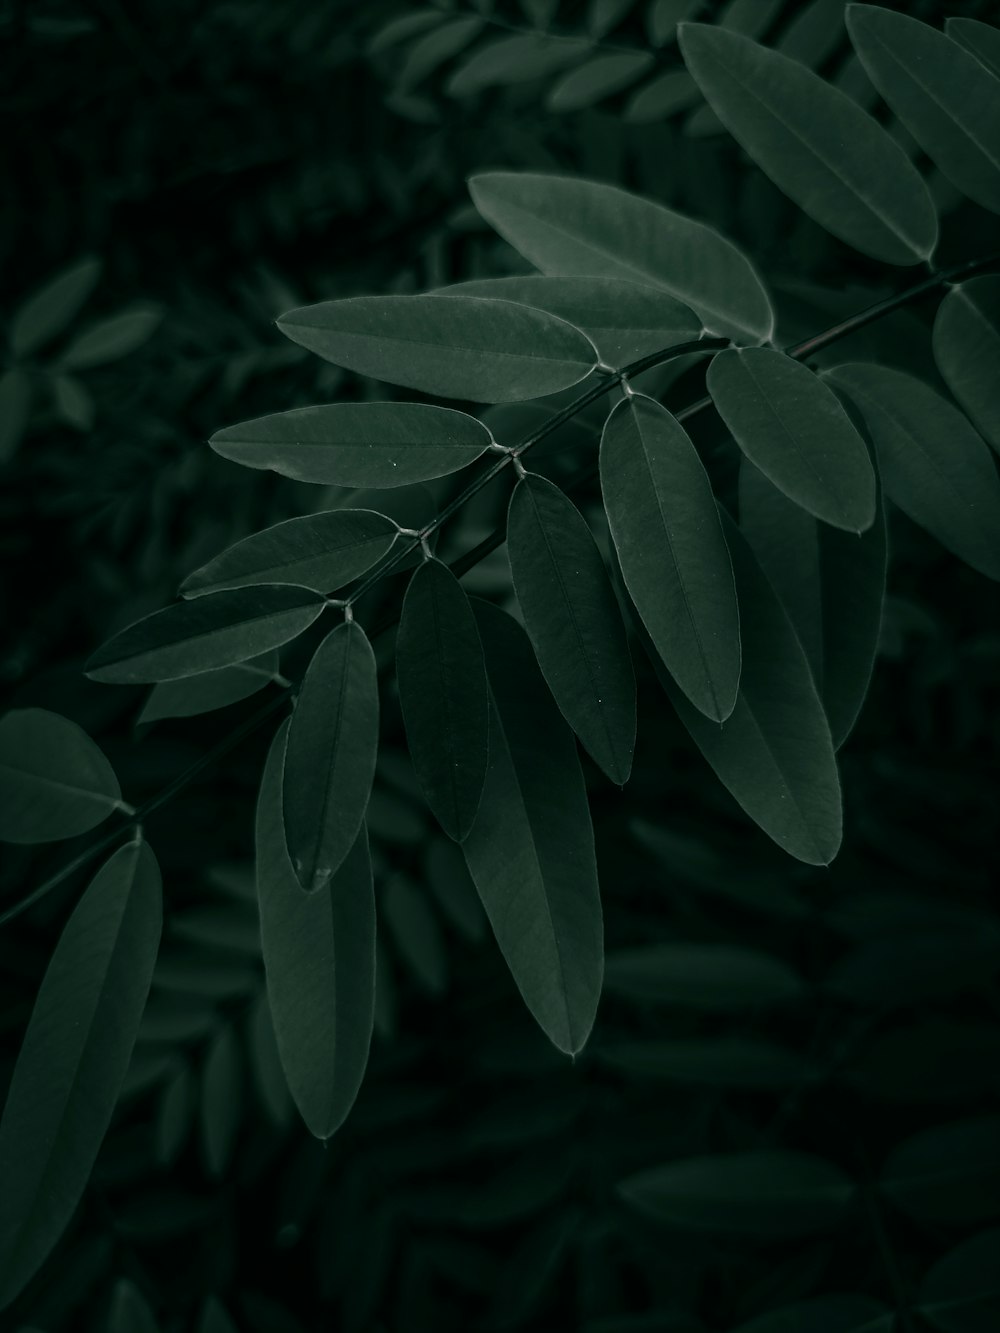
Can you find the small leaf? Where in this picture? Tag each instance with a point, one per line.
(15, 408)
(330, 761)
(221, 1107)
(768, 1194)
(946, 98)
(531, 849)
(948, 1174)
(443, 694)
(54, 781)
(967, 351)
(450, 346)
(73, 402)
(214, 631)
(52, 307)
(673, 556)
(400, 28)
(573, 621)
(794, 429)
(961, 1292)
(433, 48)
(716, 978)
(518, 58)
(567, 226)
(600, 77)
(982, 39)
(834, 1312)
(175, 1114)
(830, 157)
(111, 339)
(193, 695)
(74, 1058)
(933, 464)
(660, 98)
(319, 959)
(357, 444)
(129, 1311)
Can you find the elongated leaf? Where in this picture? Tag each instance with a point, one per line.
(504, 61)
(443, 694)
(660, 98)
(201, 635)
(52, 307)
(832, 586)
(770, 1194)
(816, 144)
(568, 226)
(774, 753)
(933, 464)
(946, 98)
(111, 339)
(319, 960)
(601, 76)
(221, 1106)
(415, 934)
(193, 695)
(54, 781)
(623, 320)
(673, 555)
(795, 430)
(330, 763)
(982, 39)
(573, 621)
(716, 978)
(961, 1292)
(834, 1312)
(434, 48)
(15, 408)
(320, 551)
(129, 1311)
(724, 1062)
(967, 351)
(531, 849)
(949, 1174)
(74, 1057)
(454, 347)
(357, 444)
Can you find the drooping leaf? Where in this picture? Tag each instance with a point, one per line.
(203, 693)
(214, 1318)
(794, 429)
(830, 583)
(673, 556)
(220, 1111)
(967, 351)
(573, 621)
(982, 39)
(357, 444)
(531, 850)
(112, 338)
(814, 32)
(330, 759)
(816, 144)
(771, 1194)
(834, 1312)
(54, 781)
(568, 226)
(716, 978)
(52, 307)
(217, 630)
(946, 98)
(932, 463)
(74, 1058)
(319, 960)
(947, 1174)
(961, 1292)
(130, 1312)
(73, 402)
(723, 1062)
(601, 76)
(443, 694)
(453, 347)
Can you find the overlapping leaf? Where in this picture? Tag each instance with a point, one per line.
(967, 351)
(192, 695)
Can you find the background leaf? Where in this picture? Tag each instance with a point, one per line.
(716, 978)
(967, 351)
(52, 307)
(192, 695)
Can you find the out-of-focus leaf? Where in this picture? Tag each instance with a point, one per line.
(73, 402)
(948, 1174)
(717, 978)
(192, 695)
(52, 307)
(518, 58)
(15, 407)
(222, 1099)
(661, 97)
(961, 1292)
(601, 76)
(111, 339)
(967, 350)
(416, 934)
(174, 1116)
(130, 1312)
(723, 1062)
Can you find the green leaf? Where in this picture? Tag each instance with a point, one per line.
(814, 32)
(214, 1318)
(433, 48)
(111, 339)
(319, 551)
(270, 1083)
(716, 978)
(447, 877)
(319, 960)
(772, 1195)
(832, 586)
(967, 351)
(601, 76)
(204, 693)
(416, 934)
(450, 346)
(52, 307)
(834, 1312)
(129, 1311)
(443, 694)
(717, 1062)
(214, 631)
(830, 157)
(982, 39)
(54, 781)
(664, 16)
(15, 408)
(949, 1174)
(531, 849)
(774, 753)
(330, 762)
(73, 402)
(357, 444)
(74, 1058)
(932, 463)
(961, 1292)
(795, 430)
(175, 1113)
(603, 16)
(673, 556)
(946, 98)
(574, 621)
(623, 320)
(660, 98)
(514, 59)
(220, 1111)
(566, 226)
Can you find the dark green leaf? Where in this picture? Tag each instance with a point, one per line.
(447, 877)
(269, 1079)
(111, 338)
(203, 693)
(674, 90)
(73, 402)
(982, 39)
(836, 1312)
(443, 694)
(52, 307)
(830, 157)
(664, 16)
(518, 58)
(601, 76)
(916, 967)
(15, 408)
(672, 551)
(814, 32)
(717, 978)
(54, 781)
(221, 1107)
(967, 351)
(214, 1318)
(74, 1058)
(416, 934)
(434, 48)
(129, 1311)
(174, 1115)
(961, 1292)
(948, 1174)
(722, 1062)
(330, 763)
(573, 621)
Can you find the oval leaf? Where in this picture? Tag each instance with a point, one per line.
(73, 1061)
(817, 145)
(129, 1311)
(454, 346)
(54, 781)
(330, 761)
(795, 430)
(443, 695)
(568, 226)
(602, 76)
(531, 849)
(716, 978)
(967, 351)
(948, 1174)
(52, 307)
(673, 556)
(961, 1292)
(193, 695)
(111, 339)
(982, 39)
(574, 621)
